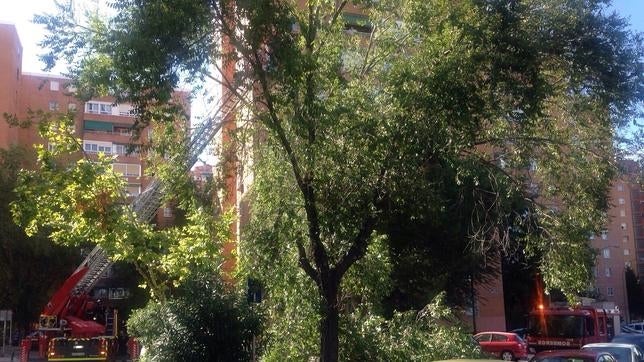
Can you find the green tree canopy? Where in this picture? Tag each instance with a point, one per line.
(499, 100)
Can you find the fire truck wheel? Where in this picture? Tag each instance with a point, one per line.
(507, 356)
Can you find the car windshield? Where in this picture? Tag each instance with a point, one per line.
(620, 353)
(561, 326)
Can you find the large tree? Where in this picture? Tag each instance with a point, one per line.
(361, 118)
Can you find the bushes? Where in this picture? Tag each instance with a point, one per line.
(204, 321)
(428, 335)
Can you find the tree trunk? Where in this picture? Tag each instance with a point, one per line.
(329, 323)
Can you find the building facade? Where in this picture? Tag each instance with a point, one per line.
(102, 125)
(617, 245)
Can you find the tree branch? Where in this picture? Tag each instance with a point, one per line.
(305, 264)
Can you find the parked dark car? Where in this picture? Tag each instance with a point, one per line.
(573, 355)
(505, 345)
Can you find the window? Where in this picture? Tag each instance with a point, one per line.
(621, 201)
(118, 293)
(105, 108)
(606, 253)
(594, 269)
(608, 271)
(123, 130)
(167, 212)
(128, 169)
(592, 237)
(609, 291)
(121, 149)
(627, 252)
(604, 234)
(54, 86)
(133, 189)
(627, 264)
(623, 226)
(98, 107)
(126, 110)
(602, 326)
(97, 146)
(71, 107)
(53, 105)
(622, 213)
(91, 107)
(620, 187)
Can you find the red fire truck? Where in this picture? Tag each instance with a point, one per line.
(74, 326)
(570, 327)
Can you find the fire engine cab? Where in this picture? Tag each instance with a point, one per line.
(571, 327)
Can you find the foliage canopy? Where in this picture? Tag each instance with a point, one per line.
(500, 113)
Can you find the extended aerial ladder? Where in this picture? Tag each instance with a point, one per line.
(146, 204)
(64, 314)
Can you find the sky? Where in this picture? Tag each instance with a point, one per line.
(21, 12)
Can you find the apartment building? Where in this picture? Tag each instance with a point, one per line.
(102, 125)
(637, 207)
(617, 245)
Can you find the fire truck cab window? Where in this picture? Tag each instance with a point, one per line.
(590, 327)
(602, 326)
(567, 326)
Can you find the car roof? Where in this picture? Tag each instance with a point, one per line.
(495, 332)
(569, 353)
(609, 344)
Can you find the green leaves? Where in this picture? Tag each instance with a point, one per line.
(79, 199)
(490, 122)
(205, 322)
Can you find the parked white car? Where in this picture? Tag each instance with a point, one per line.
(623, 352)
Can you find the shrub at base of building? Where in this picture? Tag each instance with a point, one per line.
(204, 321)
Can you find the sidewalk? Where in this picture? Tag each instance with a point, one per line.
(8, 351)
(15, 352)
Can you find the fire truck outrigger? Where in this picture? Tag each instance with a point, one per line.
(571, 327)
(67, 329)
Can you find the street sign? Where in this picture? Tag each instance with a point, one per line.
(6, 315)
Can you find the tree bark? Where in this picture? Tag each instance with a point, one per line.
(329, 324)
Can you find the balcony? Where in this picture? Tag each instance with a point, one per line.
(117, 133)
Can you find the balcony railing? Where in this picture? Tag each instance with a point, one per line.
(106, 113)
(122, 133)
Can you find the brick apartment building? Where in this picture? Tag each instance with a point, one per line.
(621, 244)
(102, 125)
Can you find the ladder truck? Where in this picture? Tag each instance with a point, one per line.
(64, 332)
